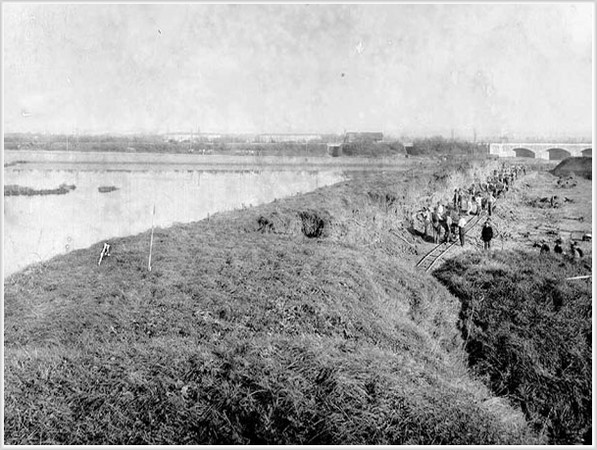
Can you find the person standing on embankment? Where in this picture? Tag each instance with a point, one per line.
(558, 247)
(448, 227)
(487, 235)
(461, 225)
(436, 225)
(490, 203)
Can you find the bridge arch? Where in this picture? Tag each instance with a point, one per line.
(587, 152)
(558, 153)
(523, 152)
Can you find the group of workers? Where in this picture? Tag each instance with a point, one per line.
(575, 251)
(446, 223)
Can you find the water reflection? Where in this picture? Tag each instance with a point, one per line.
(37, 228)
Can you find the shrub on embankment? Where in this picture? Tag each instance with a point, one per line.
(580, 167)
(106, 189)
(241, 335)
(373, 149)
(528, 333)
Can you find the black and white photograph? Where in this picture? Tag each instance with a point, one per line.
(303, 224)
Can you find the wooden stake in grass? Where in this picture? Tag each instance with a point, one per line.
(105, 252)
(151, 240)
(583, 277)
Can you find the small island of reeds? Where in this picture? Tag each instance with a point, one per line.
(15, 189)
(105, 189)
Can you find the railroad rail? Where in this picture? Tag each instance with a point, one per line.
(436, 253)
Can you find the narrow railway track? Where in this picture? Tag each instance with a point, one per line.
(436, 253)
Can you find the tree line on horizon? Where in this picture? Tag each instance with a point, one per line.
(422, 146)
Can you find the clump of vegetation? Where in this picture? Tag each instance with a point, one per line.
(226, 144)
(105, 189)
(313, 335)
(372, 149)
(528, 333)
(15, 189)
(14, 163)
(439, 145)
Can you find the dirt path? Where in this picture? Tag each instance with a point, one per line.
(525, 216)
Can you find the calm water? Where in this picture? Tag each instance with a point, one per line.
(39, 227)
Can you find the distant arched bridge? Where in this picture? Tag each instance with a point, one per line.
(540, 151)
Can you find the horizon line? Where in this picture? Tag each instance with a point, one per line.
(454, 136)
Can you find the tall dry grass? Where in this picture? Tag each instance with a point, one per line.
(247, 331)
(528, 334)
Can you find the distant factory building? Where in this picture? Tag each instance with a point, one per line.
(283, 137)
(192, 137)
(352, 136)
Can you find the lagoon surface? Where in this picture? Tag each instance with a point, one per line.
(37, 228)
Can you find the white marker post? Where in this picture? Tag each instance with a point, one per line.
(583, 277)
(105, 252)
(151, 240)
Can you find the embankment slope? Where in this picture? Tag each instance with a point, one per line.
(248, 331)
(528, 332)
(581, 167)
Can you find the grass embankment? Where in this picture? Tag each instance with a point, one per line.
(15, 189)
(528, 334)
(247, 330)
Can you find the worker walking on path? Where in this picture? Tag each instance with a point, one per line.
(461, 225)
(427, 215)
(487, 235)
(575, 252)
(448, 228)
(558, 247)
(490, 203)
(435, 217)
(479, 203)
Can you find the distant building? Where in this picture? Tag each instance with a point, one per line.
(283, 137)
(191, 137)
(408, 147)
(352, 136)
(179, 137)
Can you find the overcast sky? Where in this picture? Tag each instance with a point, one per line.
(521, 70)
